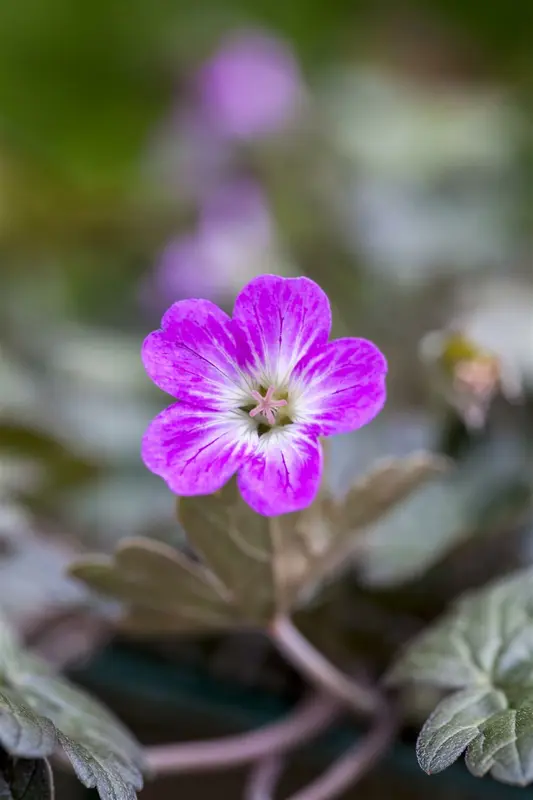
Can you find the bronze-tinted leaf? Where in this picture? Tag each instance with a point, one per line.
(262, 560)
(302, 540)
(387, 485)
(371, 498)
(250, 567)
(146, 623)
(236, 544)
(487, 491)
(153, 577)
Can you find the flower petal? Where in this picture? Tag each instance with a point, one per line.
(284, 473)
(277, 321)
(342, 388)
(193, 356)
(196, 451)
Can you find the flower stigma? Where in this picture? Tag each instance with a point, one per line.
(266, 405)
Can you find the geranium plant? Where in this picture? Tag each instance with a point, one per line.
(244, 447)
(256, 394)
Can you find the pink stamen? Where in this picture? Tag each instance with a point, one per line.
(266, 405)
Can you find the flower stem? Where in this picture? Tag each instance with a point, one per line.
(263, 778)
(321, 672)
(301, 725)
(354, 764)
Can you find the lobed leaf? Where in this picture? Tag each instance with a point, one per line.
(485, 492)
(262, 561)
(455, 723)
(236, 545)
(369, 500)
(23, 732)
(251, 567)
(98, 767)
(505, 746)
(484, 647)
(157, 580)
(39, 710)
(387, 485)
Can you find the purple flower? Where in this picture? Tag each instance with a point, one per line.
(183, 271)
(250, 87)
(235, 224)
(238, 205)
(256, 392)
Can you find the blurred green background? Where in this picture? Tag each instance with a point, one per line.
(384, 149)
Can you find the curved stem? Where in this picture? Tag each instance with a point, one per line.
(305, 722)
(321, 672)
(263, 778)
(354, 764)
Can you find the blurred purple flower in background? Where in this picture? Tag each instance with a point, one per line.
(239, 208)
(235, 240)
(251, 86)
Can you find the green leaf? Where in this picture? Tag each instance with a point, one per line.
(25, 779)
(505, 746)
(32, 567)
(488, 634)
(39, 710)
(497, 739)
(455, 723)
(484, 647)
(96, 767)
(22, 732)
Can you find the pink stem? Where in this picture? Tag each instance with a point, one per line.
(263, 778)
(354, 764)
(321, 672)
(305, 722)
